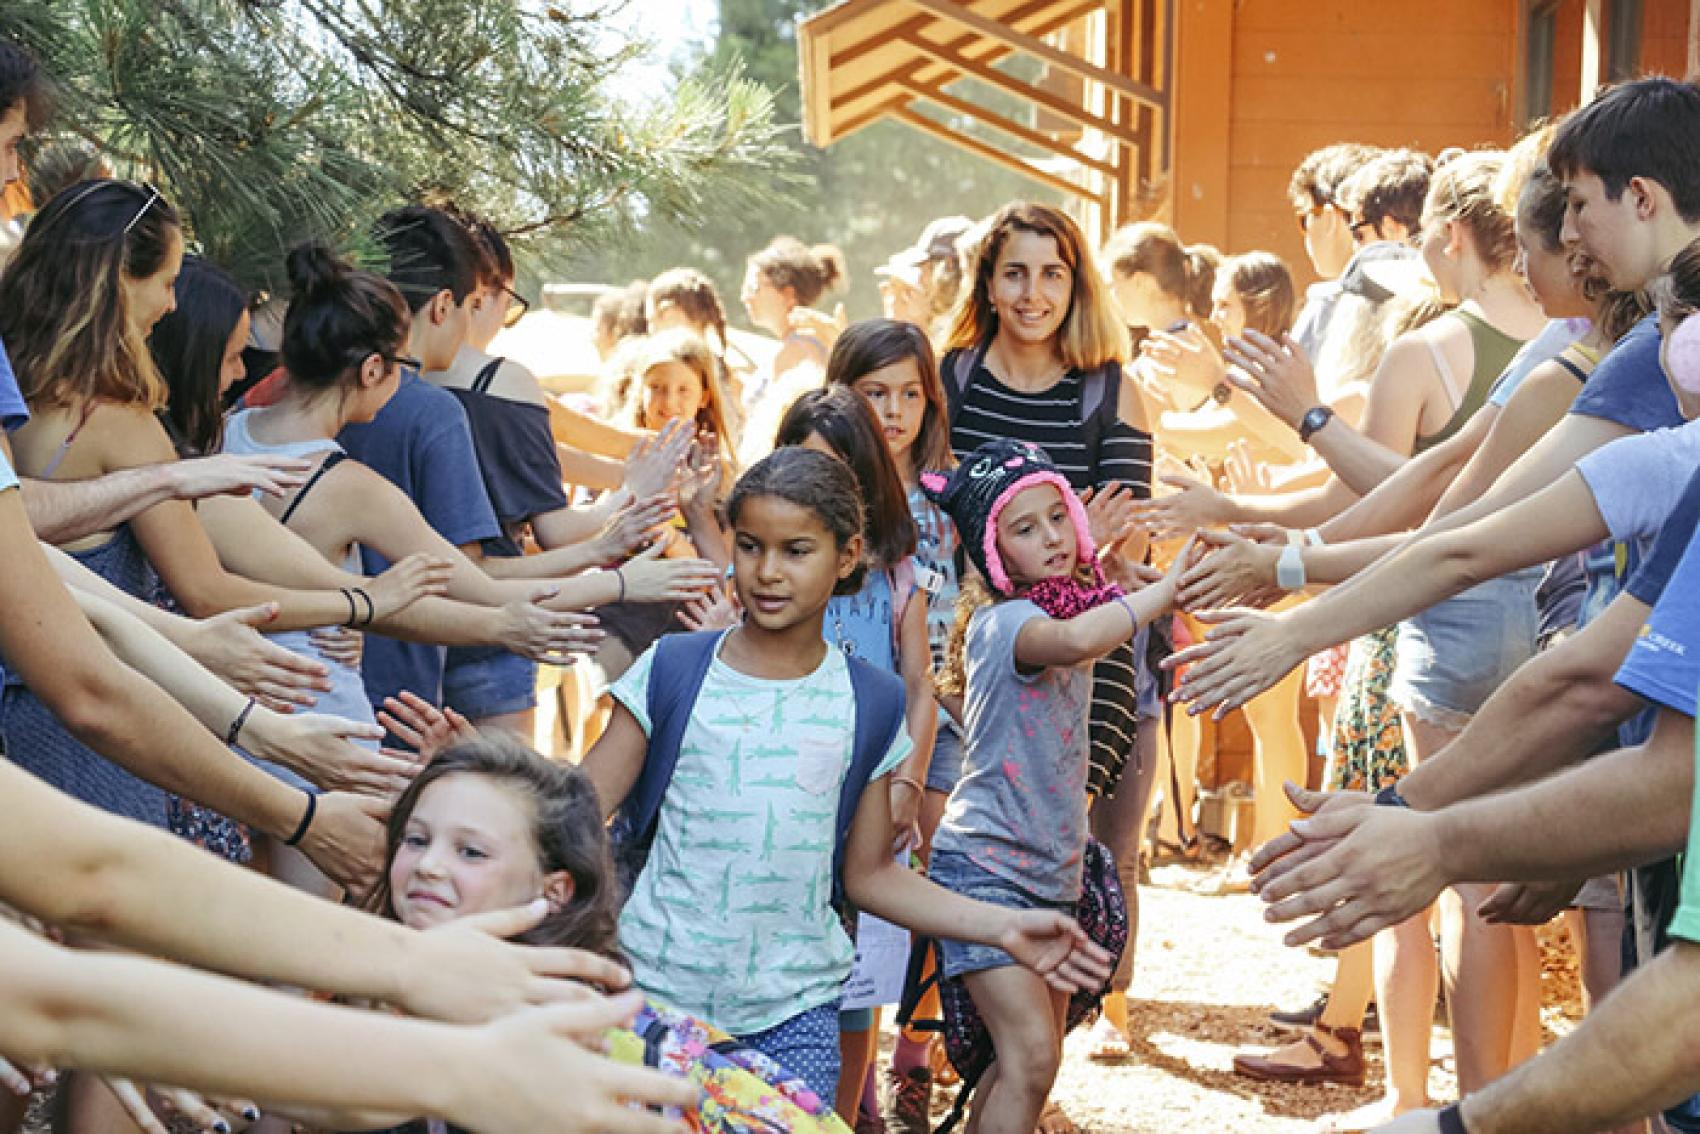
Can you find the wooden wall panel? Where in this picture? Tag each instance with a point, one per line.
(1664, 36)
(1306, 73)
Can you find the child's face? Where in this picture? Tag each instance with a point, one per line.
(1227, 310)
(468, 849)
(1036, 537)
(785, 562)
(899, 401)
(670, 389)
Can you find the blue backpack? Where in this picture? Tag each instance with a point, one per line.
(675, 678)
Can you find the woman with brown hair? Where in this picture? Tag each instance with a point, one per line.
(1034, 354)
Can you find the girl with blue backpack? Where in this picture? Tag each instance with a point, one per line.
(1014, 834)
(736, 762)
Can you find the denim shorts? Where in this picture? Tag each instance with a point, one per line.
(946, 766)
(1452, 656)
(481, 682)
(959, 874)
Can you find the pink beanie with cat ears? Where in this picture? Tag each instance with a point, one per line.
(978, 490)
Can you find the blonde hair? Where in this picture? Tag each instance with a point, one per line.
(1464, 189)
(687, 349)
(1091, 333)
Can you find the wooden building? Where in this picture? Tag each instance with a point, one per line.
(1196, 111)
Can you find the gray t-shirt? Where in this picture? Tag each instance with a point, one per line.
(1638, 481)
(1019, 810)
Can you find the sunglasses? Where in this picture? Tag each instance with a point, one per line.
(518, 305)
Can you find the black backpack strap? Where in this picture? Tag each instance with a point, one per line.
(957, 371)
(481, 384)
(336, 457)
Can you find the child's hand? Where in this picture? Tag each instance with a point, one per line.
(1053, 945)
(424, 727)
(711, 610)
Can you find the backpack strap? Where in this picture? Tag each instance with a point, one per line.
(879, 714)
(1100, 409)
(336, 457)
(675, 678)
(957, 371)
(481, 384)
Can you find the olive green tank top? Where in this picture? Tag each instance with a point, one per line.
(1493, 350)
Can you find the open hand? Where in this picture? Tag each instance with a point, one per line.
(321, 749)
(652, 467)
(1111, 514)
(1373, 867)
(466, 971)
(633, 528)
(1185, 362)
(422, 726)
(226, 474)
(232, 646)
(1277, 373)
(532, 629)
(1053, 945)
(1231, 571)
(714, 609)
(1193, 505)
(1244, 654)
(652, 579)
(406, 582)
(340, 644)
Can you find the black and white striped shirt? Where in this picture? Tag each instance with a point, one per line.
(1051, 419)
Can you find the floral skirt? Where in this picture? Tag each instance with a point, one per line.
(1369, 739)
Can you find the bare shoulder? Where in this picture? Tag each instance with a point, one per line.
(516, 382)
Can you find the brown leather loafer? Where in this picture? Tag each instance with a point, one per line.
(1347, 1068)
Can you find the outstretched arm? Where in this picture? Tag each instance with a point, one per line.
(134, 1017)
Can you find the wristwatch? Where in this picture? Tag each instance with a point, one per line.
(1290, 568)
(1221, 393)
(1314, 419)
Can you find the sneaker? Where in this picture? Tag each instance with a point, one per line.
(908, 1101)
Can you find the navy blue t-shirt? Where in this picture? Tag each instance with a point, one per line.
(1628, 386)
(421, 442)
(13, 412)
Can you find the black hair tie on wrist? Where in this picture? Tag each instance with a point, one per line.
(371, 610)
(235, 729)
(353, 609)
(306, 821)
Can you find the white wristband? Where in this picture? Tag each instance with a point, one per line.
(1313, 538)
(1290, 568)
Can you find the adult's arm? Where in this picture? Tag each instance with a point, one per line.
(1631, 1058)
(1536, 407)
(134, 1017)
(251, 542)
(592, 435)
(1366, 868)
(1246, 653)
(121, 715)
(125, 883)
(1405, 498)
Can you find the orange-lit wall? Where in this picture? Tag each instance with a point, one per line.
(1303, 73)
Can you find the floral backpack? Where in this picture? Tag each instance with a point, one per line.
(743, 1091)
(1101, 912)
